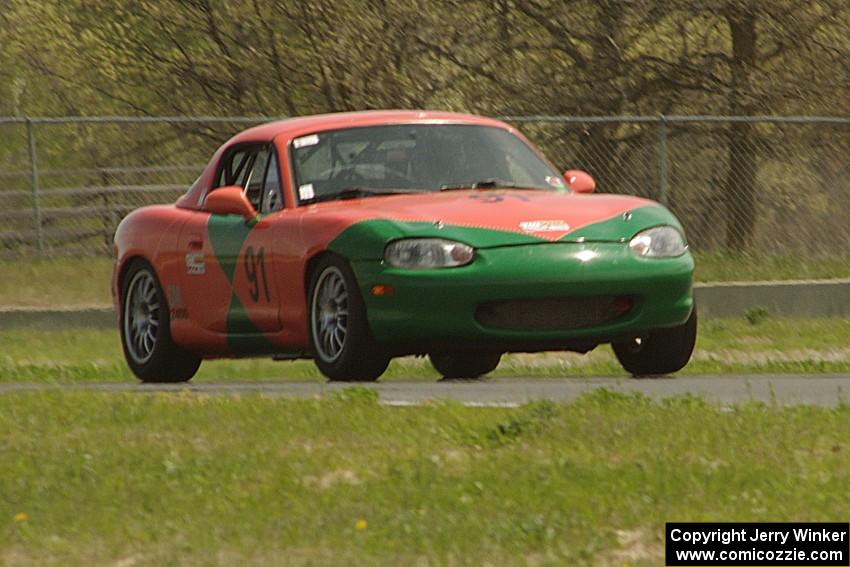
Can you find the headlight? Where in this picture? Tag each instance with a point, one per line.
(658, 242)
(427, 253)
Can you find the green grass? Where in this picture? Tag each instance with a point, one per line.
(85, 281)
(726, 266)
(187, 479)
(723, 345)
(55, 282)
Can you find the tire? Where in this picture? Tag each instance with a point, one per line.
(145, 329)
(662, 351)
(460, 365)
(342, 342)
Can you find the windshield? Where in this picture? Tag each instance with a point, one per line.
(415, 158)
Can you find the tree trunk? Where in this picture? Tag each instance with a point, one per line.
(600, 150)
(740, 186)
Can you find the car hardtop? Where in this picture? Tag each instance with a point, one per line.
(289, 128)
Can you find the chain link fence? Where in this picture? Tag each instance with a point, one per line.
(763, 185)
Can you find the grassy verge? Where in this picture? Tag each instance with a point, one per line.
(156, 479)
(85, 281)
(723, 345)
(55, 282)
(726, 266)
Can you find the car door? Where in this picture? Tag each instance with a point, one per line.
(229, 276)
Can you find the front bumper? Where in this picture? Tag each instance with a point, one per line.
(432, 309)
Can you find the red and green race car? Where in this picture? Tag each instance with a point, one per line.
(353, 238)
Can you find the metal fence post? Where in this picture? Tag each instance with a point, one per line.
(662, 159)
(36, 206)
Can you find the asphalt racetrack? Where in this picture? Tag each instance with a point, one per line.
(778, 389)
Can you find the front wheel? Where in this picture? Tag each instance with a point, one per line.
(342, 342)
(662, 351)
(145, 334)
(457, 365)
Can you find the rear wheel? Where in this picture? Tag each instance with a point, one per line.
(662, 351)
(342, 342)
(145, 333)
(459, 365)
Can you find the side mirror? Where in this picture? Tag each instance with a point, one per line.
(579, 181)
(230, 200)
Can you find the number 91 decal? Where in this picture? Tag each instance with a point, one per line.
(255, 271)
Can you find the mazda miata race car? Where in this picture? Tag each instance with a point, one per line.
(354, 238)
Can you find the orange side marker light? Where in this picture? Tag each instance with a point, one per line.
(381, 290)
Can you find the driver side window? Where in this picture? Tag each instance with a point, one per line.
(254, 169)
(272, 199)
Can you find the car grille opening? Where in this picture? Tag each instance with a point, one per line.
(552, 314)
